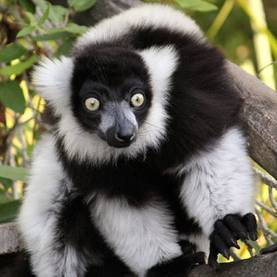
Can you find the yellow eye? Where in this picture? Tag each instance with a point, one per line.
(92, 104)
(137, 100)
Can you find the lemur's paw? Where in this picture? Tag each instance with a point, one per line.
(243, 227)
(226, 233)
(177, 267)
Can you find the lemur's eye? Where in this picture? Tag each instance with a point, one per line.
(92, 104)
(137, 100)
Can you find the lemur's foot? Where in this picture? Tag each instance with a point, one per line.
(226, 233)
(177, 267)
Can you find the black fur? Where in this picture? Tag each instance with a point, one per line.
(177, 267)
(97, 72)
(15, 265)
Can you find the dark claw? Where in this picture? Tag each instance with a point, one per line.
(225, 234)
(250, 222)
(234, 224)
(220, 246)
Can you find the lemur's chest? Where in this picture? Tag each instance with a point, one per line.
(141, 236)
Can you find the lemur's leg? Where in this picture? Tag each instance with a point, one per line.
(219, 192)
(46, 235)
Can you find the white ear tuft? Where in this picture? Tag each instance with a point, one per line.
(52, 79)
(161, 63)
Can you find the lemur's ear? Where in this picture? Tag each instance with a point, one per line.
(52, 79)
(161, 63)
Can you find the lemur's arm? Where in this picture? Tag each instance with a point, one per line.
(219, 192)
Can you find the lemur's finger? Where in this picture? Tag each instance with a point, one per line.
(220, 245)
(226, 234)
(250, 222)
(233, 222)
(212, 260)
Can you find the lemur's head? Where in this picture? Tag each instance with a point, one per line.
(111, 94)
(109, 100)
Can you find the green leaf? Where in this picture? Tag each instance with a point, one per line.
(81, 5)
(196, 5)
(19, 67)
(66, 47)
(9, 211)
(57, 13)
(4, 197)
(44, 16)
(75, 28)
(53, 34)
(27, 5)
(7, 183)
(26, 31)
(13, 173)
(12, 97)
(31, 19)
(12, 51)
(62, 33)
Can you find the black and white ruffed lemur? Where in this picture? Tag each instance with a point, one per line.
(146, 167)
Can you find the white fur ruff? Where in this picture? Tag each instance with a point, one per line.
(219, 181)
(141, 237)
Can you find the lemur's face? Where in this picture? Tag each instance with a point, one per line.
(111, 94)
(109, 101)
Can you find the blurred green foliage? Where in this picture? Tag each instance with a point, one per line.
(31, 29)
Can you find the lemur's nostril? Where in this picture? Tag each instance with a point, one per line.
(124, 137)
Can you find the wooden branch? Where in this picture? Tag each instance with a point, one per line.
(259, 266)
(259, 116)
(9, 238)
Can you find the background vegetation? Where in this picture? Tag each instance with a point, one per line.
(245, 30)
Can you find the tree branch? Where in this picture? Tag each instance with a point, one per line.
(259, 116)
(259, 266)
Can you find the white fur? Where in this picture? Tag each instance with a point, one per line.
(142, 237)
(219, 181)
(38, 216)
(52, 80)
(161, 63)
(152, 15)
